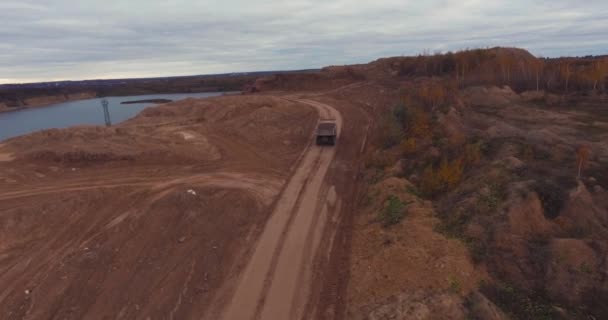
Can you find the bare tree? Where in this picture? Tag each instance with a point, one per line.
(582, 157)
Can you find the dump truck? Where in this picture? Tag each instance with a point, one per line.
(327, 132)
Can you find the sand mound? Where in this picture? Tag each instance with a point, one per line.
(5, 155)
(406, 264)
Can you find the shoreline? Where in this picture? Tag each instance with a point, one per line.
(42, 105)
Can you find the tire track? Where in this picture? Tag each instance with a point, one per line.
(271, 285)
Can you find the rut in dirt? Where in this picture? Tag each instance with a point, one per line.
(275, 284)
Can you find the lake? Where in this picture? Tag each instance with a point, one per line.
(80, 112)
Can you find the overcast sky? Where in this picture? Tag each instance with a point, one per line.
(45, 40)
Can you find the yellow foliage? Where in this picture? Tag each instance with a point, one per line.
(408, 146)
(450, 173)
(433, 94)
(472, 153)
(429, 182)
(445, 178)
(379, 159)
(420, 123)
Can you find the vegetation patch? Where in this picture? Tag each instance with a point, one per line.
(393, 212)
(454, 285)
(518, 303)
(552, 197)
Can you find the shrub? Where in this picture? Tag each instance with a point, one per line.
(551, 197)
(419, 124)
(390, 132)
(472, 153)
(379, 160)
(393, 212)
(408, 146)
(447, 176)
(429, 181)
(520, 304)
(450, 173)
(455, 285)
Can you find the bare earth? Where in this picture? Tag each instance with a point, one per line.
(275, 283)
(211, 208)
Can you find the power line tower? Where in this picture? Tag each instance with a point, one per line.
(106, 112)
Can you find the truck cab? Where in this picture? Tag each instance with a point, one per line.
(326, 133)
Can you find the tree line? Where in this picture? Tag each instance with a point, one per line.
(516, 68)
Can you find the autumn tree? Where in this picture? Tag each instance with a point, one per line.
(505, 62)
(450, 172)
(582, 158)
(565, 72)
(433, 94)
(598, 72)
(538, 66)
(419, 123)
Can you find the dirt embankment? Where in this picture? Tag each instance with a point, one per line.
(516, 236)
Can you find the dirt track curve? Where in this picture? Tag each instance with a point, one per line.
(276, 281)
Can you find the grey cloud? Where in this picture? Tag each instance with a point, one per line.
(61, 39)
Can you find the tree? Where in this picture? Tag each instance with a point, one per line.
(433, 94)
(538, 65)
(582, 157)
(598, 72)
(565, 72)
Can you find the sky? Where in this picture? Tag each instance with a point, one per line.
(48, 40)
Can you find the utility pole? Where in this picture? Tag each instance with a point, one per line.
(106, 112)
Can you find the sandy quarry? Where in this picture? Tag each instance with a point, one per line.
(223, 208)
(208, 209)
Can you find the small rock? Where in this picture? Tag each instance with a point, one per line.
(181, 240)
(73, 169)
(192, 192)
(27, 292)
(592, 179)
(598, 189)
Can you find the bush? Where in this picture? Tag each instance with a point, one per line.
(552, 197)
(455, 285)
(379, 160)
(448, 176)
(390, 132)
(393, 212)
(450, 173)
(419, 124)
(408, 146)
(520, 304)
(472, 153)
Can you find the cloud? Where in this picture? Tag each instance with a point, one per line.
(61, 39)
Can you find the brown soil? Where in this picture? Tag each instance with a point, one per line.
(409, 262)
(145, 219)
(200, 208)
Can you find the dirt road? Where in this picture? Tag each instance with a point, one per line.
(276, 281)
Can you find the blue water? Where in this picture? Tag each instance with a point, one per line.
(81, 112)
